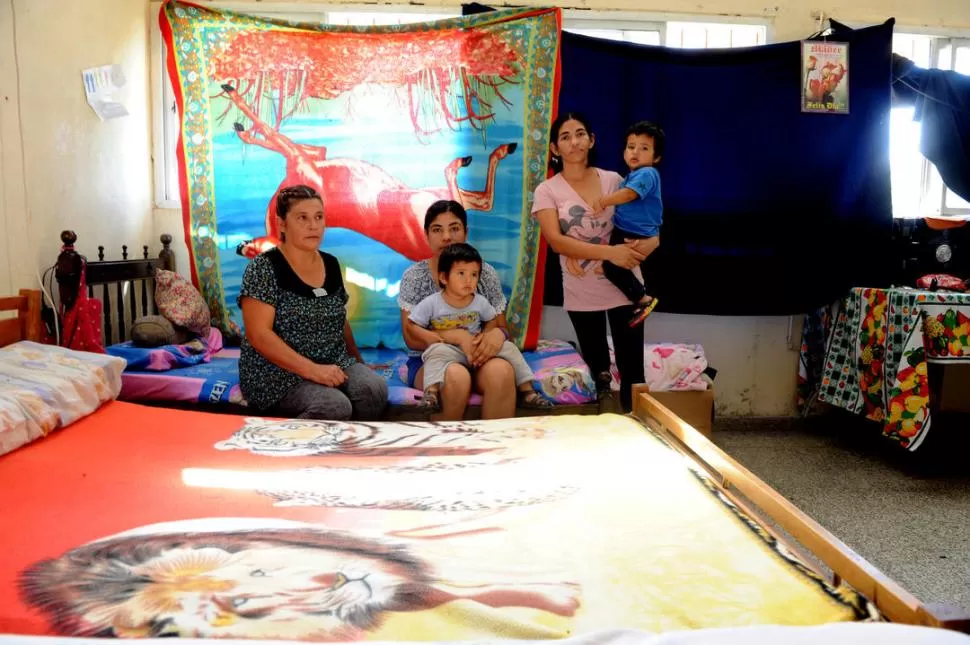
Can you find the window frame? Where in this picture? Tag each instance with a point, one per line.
(164, 165)
(932, 204)
(652, 21)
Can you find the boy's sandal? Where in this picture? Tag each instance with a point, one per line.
(430, 401)
(535, 401)
(642, 311)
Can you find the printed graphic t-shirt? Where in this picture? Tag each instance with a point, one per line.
(584, 286)
(436, 314)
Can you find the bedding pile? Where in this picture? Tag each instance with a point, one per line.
(174, 373)
(671, 367)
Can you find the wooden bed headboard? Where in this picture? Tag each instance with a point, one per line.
(126, 287)
(26, 325)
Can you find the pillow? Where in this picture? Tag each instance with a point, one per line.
(46, 387)
(181, 303)
(155, 331)
(24, 417)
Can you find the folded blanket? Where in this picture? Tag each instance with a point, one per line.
(669, 367)
(167, 357)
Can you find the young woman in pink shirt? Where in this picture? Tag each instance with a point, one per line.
(581, 237)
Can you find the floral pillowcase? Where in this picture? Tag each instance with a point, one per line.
(181, 303)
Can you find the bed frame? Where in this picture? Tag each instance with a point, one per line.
(761, 501)
(26, 325)
(121, 283)
(740, 485)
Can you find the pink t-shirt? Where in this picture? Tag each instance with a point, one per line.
(583, 284)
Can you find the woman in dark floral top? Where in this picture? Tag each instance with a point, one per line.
(446, 222)
(299, 357)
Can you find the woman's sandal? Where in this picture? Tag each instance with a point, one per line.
(430, 401)
(535, 401)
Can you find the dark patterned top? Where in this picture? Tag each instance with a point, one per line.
(311, 321)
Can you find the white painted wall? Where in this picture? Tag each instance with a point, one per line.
(71, 171)
(61, 166)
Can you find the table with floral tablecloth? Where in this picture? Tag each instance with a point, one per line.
(880, 343)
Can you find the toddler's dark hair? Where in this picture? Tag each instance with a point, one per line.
(453, 253)
(653, 131)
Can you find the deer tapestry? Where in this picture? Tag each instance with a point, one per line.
(382, 121)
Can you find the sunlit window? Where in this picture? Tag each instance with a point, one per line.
(917, 188)
(708, 35)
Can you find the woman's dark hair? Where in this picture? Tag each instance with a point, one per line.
(457, 252)
(652, 130)
(555, 163)
(291, 195)
(445, 206)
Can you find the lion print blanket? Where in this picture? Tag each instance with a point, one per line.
(145, 522)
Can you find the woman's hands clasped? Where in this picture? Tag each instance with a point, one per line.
(486, 346)
(329, 375)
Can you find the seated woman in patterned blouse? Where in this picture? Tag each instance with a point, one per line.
(299, 358)
(446, 222)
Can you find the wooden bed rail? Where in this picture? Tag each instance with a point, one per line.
(122, 283)
(26, 325)
(897, 604)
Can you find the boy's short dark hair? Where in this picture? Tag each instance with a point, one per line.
(653, 131)
(458, 252)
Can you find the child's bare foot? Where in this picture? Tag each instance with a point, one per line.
(430, 401)
(642, 310)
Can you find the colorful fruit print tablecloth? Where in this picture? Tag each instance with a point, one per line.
(876, 363)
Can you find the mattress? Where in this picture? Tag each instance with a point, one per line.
(139, 521)
(561, 375)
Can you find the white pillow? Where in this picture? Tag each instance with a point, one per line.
(24, 417)
(45, 380)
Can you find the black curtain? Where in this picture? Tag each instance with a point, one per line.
(767, 210)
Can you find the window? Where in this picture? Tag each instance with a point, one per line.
(643, 36)
(622, 26)
(699, 35)
(382, 17)
(917, 188)
(705, 35)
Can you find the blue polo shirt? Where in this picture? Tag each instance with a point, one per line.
(642, 216)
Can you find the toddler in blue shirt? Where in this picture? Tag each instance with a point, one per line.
(639, 210)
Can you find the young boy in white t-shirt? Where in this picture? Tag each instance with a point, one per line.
(458, 313)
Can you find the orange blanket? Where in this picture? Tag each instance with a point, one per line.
(141, 521)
